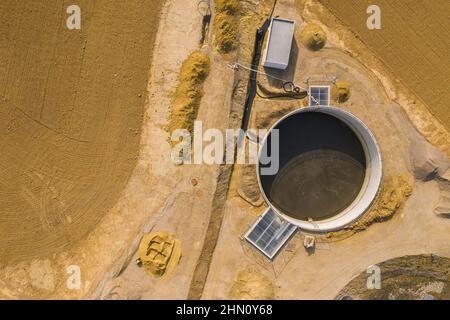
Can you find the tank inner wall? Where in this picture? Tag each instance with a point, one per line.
(373, 174)
(322, 167)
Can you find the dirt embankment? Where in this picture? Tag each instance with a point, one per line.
(71, 109)
(421, 277)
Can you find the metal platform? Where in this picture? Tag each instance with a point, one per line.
(269, 233)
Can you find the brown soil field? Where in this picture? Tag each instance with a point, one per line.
(413, 43)
(71, 111)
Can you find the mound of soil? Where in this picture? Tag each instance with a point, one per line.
(252, 285)
(313, 37)
(159, 253)
(341, 91)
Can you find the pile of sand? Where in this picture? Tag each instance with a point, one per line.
(187, 97)
(226, 24)
(313, 37)
(340, 91)
(252, 285)
(392, 197)
(159, 253)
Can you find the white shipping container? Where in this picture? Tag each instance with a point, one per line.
(279, 44)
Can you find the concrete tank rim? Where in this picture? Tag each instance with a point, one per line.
(374, 172)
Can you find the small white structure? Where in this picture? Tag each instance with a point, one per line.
(279, 44)
(319, 95)
(309, 242)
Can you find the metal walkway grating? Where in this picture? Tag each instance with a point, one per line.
(269, 233)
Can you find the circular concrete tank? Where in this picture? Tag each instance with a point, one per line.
(329, 168)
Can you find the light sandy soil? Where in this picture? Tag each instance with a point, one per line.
(296, 273)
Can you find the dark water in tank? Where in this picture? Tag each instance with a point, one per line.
(322, 167)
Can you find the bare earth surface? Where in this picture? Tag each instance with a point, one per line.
(71, 109)
(86, 171)
(413, 42)
(299, 274)
(158, 196)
